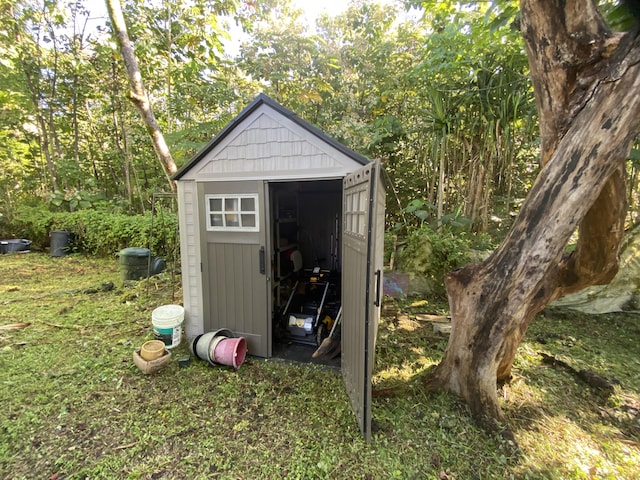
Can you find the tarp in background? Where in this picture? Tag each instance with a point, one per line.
(622, 294)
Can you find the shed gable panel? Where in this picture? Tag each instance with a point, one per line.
(268, 145)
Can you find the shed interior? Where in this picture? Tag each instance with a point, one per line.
(305, 220)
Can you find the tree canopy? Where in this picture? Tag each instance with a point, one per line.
(439, 90)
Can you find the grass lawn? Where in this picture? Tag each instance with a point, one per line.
(74, 406)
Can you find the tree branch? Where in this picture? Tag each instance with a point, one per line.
(564, 39)
(138, 95)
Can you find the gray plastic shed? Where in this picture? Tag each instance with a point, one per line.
(270, 202)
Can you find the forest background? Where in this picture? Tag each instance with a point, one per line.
(439, 91)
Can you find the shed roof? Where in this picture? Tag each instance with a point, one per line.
(306, 148)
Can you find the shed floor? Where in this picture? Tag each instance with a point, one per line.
(296, 352)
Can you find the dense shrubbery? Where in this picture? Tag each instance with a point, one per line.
(430, 253)
(426, 251)
(98, 231)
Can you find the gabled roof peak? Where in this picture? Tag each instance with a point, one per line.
(259, 101)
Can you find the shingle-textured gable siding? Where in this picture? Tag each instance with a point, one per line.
(270, 146)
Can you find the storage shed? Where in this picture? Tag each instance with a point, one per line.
(272, 211)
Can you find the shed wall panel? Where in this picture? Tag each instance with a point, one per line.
(234, 278)
(190, 258)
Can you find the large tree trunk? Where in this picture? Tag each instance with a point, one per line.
(587, 84)
(138, 94)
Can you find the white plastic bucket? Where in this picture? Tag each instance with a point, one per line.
(167, 324)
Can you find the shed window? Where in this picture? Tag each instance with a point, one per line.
(355, 211)
(232, 213)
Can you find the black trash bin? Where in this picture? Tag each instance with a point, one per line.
(15, 245)
(134, 262)
(60, 243)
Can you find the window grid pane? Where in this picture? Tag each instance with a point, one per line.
(355, 213)
(215, 204)
(230, 204)
(247, 205)
(216, 220)
(232, 212)
(231, 220)
(248, 220)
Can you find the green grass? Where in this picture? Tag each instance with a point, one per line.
(74, 406)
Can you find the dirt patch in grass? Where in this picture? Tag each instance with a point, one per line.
(74, 405)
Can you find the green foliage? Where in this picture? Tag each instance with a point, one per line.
(620, 15)
(101, 231)
(443, 98)
(30, 222)
(420, 209)
(72, 200)
(431, 253)
(425, 213)
(69, 132)
(429, 247)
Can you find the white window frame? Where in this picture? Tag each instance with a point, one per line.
(355, 212)
(227, 210)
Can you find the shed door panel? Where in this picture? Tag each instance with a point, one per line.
(363, 230)
(234, 277)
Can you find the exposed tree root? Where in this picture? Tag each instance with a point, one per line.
(601, 384)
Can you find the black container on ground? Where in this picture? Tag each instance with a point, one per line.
(14, 245)
(60, 243)
(134, 262)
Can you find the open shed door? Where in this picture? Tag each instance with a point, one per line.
(235, 272)
(362, 249)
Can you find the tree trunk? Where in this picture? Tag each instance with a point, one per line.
(32, 80)
(138, 94)
(43, 130)
(587, 83)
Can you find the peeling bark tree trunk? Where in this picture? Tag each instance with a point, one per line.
(138, 94)
(587, 84)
